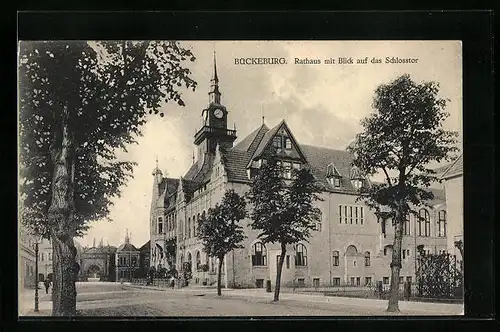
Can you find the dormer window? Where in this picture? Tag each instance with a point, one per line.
(333, 175)
(357, 184)
(356, 177)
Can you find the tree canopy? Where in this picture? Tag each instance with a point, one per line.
(283, 212)
(400, 139)
(101, 92)
(220, 231)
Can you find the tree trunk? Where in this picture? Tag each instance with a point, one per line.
(219, 292)
(62, 228)
(396, 264)
(278, 273)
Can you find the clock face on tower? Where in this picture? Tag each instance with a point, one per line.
(218, 113)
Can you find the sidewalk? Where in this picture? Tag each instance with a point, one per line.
(358, 304)
(26, 303)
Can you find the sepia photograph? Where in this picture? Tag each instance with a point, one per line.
(171, 178)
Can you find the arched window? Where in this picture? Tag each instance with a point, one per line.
(259, 256)
(198, 260)
(335, 258)
(301, 255)
(194, 225)
(367, 258)
(388, 250)
(182, 258)
(426, 218)
(351, 251)
(189, 258)
(442, 223)
(407, 225)
(421, 215)
(188, 231)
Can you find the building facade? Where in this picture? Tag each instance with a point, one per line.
(349, 245)
(26, 259)
(454, 188)
(127, 261)
(97, 263)
(45, 260)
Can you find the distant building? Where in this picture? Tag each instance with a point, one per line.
(454, 187)
(348, 245)
(45, 260)
(127, 260)
(26, 258)
(144, 259)
(98, 262)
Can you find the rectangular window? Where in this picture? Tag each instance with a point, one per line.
(316, 282)
(296, 166)
(350, 214)
(368, 281)
(401, 280)
(408, 279)
(287, 261)
(160, 225)
(356, 214)
(358, 281)
(318, 227)
(301, 282)
(361, 215)
(340, 213)
(336, 182)
(287, 170)
(385, 280)
(404, 253)
(277, 142)
(345, 214)
(352, 281)
(288, 143)
(336, 281)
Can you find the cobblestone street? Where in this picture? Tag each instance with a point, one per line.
(112, 299)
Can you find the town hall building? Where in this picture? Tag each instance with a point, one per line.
(348, 245)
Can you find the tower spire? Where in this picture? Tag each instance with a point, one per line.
(127, 238)
(214, 94)
(215, 78)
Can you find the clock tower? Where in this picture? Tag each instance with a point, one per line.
(214, 129)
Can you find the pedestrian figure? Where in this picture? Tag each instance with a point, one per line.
(172, 282)
(47, 285)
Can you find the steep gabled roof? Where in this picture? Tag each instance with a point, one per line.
(253, 137)
(455, 169)
(237, 158)
(266, 139)
(146, 246)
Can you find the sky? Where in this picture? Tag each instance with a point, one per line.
(321, 103)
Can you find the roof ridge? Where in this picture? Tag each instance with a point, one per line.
(451, 165)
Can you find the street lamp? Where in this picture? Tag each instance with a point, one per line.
(38, 240)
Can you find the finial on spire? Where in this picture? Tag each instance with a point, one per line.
(214, 94)
(127, 238)
(156, 161)
(262, 113)
(216, 79)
